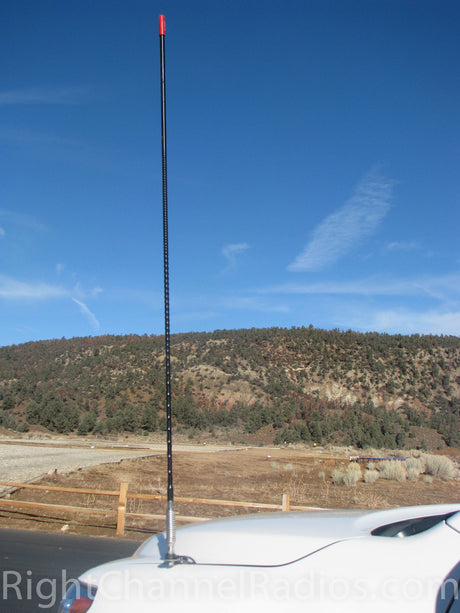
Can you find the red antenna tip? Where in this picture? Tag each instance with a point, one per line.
(162, 25)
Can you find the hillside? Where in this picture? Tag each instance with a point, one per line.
(274, 385)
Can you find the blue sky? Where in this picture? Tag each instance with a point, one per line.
(312, 155)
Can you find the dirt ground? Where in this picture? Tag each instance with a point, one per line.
(251, 475)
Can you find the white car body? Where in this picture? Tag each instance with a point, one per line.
(400, 560)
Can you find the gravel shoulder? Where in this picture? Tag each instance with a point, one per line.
(27, 462)
(24, 461)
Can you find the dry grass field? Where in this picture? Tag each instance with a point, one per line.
(312, 477)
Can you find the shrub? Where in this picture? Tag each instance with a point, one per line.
(370, 476)
(350, 477)
(395, 471)
(421, 458)
(353, 474)
(337, 476)
(414, 467)
(413, 473)
(440, 467)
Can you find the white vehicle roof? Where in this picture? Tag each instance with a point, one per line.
(279, 538)
(321, 562)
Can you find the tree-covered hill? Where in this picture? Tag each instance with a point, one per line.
(301, 384)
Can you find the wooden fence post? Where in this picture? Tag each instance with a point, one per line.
(122, 508)
(286, 504)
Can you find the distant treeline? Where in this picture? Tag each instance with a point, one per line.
(304, 384)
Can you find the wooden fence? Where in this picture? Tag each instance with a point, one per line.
(122, 495)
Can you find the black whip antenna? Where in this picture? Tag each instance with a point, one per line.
(171, 558)
(170, 512)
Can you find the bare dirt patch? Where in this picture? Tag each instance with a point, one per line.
(251, 475)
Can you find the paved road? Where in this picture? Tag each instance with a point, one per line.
(34, 566)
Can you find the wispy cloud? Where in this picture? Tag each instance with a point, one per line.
(11, 289)
(44, 95)
(232, 252)
(403, 246)
(251, 303)
(88, 314)
(444, 287)
(408, 321)
(441, 287)
(2, 232)
(27, 138)
(419, 305)
(21, 220)
(355, 221)
(362, 287)
(210, 306)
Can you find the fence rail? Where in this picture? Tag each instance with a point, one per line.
(123, 495)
